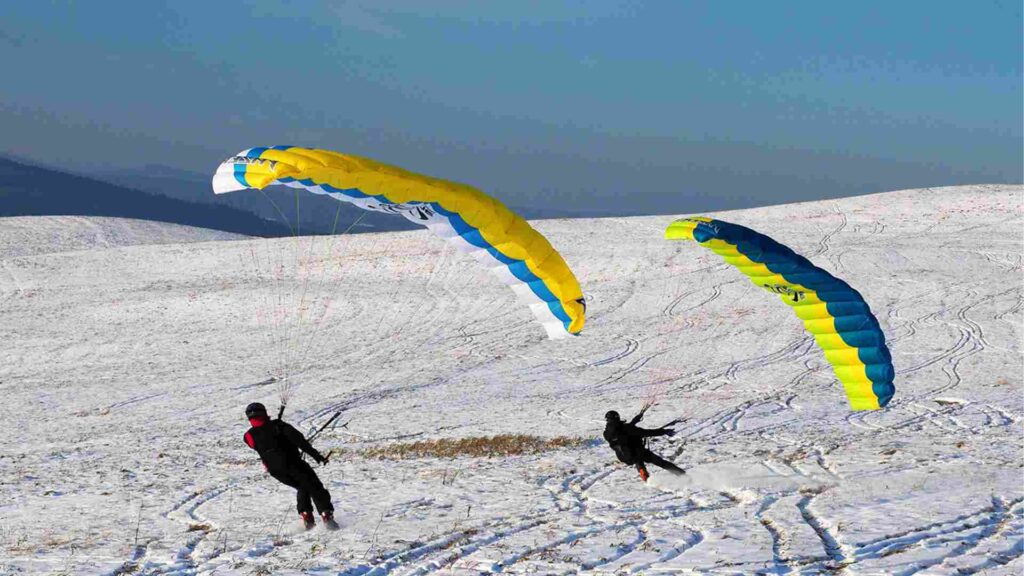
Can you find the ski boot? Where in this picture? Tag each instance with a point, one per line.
(643, 474)
(329, 522)
(307, 520)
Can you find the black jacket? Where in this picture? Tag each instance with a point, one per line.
(627, 439)
(278, 444)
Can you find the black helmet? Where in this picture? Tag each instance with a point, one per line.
(255, 409)
(612, 416)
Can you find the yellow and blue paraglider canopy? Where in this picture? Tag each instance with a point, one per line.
(472, 221)
(831, 310)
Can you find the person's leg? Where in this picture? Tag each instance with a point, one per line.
(313, 488)
(662, 463)
(302, 495)
(303, 500)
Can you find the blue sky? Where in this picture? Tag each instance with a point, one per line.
(652, 107)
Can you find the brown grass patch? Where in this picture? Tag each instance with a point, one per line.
(476, 447)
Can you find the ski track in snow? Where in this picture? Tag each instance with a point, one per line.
(144, 356)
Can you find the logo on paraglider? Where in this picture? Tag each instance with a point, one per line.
(248, 160)
(422, 212)
(410, 211)
(783, 290)
(702, 223)
(709, 226)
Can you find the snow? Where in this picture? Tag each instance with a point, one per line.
(126, 364)
(32, 235)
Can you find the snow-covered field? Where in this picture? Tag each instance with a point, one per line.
(31, 235)
(125, 370)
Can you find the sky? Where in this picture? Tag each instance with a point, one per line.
(639, 107)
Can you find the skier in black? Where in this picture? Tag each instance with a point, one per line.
(630, 443)
(278, 444)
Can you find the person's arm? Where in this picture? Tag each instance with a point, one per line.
(640, 416)
(647, 406)
(296, 438)
(252, 444)
(656, 432)
(665, 430)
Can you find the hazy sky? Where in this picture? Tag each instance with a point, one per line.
(636, 104)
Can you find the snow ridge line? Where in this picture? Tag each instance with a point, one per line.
(934, 417)
(131, 565)
(678, 549)
(472, 545)
(970, 333)
(962, 340)
(992, 560)
(859, 420)
(509, 560)
(793, 350)
(896, 307)
(620, 551)
(995, 524)
(586, 533)
(716, 292)
(1012, 310)
(967, 344)
(603, 311)
(780, 542)
(975, 329)
(901, 541)
(183, 562)
(838, 552)
(734, 414)
(391, 561)
(578, 485)
(632, 345)
(823, 244)
(1005, 417)
(620, 374)
(669, 309)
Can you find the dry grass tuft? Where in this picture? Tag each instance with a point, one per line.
(475, 447)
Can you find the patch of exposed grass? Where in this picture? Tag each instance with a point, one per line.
(475, 447)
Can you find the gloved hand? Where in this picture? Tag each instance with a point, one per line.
(670, 432)
(321, 460)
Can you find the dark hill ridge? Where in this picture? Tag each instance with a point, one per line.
(166, 194)
(317, 214)
(27, 190)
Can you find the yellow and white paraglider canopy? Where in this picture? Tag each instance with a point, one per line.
(472, 221)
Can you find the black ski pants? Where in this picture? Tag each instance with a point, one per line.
(648, 457)
(300, 475)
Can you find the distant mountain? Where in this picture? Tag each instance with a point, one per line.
(27, 190)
